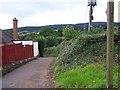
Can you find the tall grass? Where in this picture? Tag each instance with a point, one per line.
(90, 76)
(52, 51)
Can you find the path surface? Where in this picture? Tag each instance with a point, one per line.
(31, 75)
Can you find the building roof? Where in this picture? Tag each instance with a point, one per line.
(5, 37)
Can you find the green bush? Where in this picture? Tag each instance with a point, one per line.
(52, 51)
(82, 51)
(47, 31)
(69, 33)
(77, 65)
(41, 45)
(59, 40)
(53, 41)
(97, 30)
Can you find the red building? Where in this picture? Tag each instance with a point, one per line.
(10, 51)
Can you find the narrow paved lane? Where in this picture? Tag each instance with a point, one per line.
(31, 75)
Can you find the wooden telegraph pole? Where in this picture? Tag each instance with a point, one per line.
(110, 42)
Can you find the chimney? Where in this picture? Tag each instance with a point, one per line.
(15, 28)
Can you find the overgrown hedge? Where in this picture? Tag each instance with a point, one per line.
(53, 41)
(82, 51)
(52, 51)
(41, 45)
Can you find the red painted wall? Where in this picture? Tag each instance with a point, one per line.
(16, 52)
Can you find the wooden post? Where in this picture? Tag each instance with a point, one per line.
(118, 45)
(110, 42)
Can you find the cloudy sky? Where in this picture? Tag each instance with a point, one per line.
(49, 12)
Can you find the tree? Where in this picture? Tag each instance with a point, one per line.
(60, 31)
(41, 44)
(69, 33)
(47, 31)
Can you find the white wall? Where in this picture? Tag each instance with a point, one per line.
(36, 51)
(24, 42)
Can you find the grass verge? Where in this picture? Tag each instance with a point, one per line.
(52, 51)
(90, 76)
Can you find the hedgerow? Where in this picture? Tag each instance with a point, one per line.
(82, 51)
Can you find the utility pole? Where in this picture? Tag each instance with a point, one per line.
(91, 3)
(110, 42)
(90, 19)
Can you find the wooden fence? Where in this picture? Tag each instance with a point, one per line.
(16, 52)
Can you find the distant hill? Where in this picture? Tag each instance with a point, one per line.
(25, 29)
(80, 25)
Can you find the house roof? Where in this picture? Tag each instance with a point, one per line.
(5, 37)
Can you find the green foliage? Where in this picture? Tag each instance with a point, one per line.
(95, 30)
(47, 31)
(52, 51)
(51, 35)
(41, 44)
(60, 34)
(53, 41)
(90, 76)
(25, 38)
(23, 32)
(85, 51)
(98, 30)
(82, 51)
(69, 33)
(31, 36)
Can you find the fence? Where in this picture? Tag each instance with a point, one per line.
(16, 52)
(35, 44)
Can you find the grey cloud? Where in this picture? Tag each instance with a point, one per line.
(24, 9)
